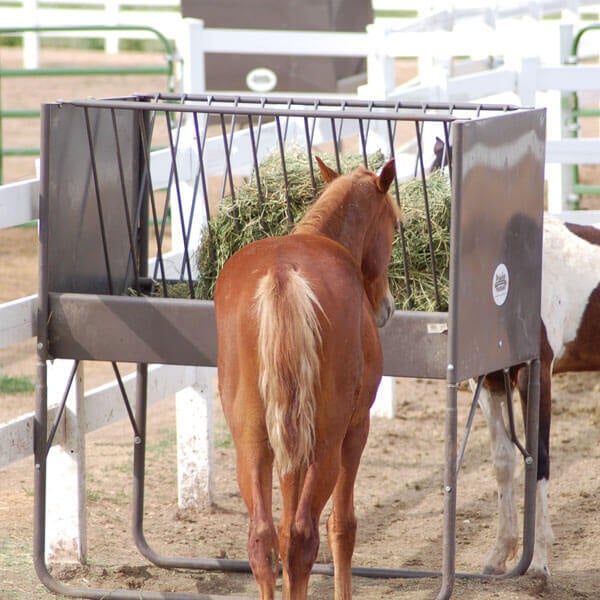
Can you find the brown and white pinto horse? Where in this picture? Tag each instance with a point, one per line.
(570, 342)
(299, 362)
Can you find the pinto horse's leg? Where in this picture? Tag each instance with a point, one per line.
(543, 527)
(341, 524)
(491, 400)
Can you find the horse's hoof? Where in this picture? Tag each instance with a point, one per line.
(539, 572)
(491, 570)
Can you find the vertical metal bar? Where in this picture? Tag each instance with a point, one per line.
(142, 212)
(287, 119)
(132, 263)
(146, 143)
(255, 163)
(200, 140)
(290, 216)
(169, 118)
(40, 460)
(139, 458)
(40, 421)
(449, 527)
(531, 460)
(98, 199)
(336, 148)
(228, 173)
(260, 121)
(391, 137)
(447, 149)
(428, 217)
(450, 433)
(402, 232)
(175, 172)
(311, 168)
(202, 176)
(363, 141)
(343, 107)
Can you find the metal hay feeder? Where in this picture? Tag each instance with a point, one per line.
(100, 217)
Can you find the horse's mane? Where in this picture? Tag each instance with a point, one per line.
(325, 216)
(321, 215)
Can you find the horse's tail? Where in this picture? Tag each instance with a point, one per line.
(289, 353)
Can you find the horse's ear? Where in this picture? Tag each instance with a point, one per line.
(386, 176)
(327, 173)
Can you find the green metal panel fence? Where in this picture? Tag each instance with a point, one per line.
(168, 69)
(577, 112)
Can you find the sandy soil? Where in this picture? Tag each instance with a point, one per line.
(398, 498)
(398, 493)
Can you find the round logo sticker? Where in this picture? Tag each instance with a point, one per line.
(261, 80)
(500, 284)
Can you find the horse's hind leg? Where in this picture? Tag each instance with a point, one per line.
(304, 498)
(504, 462)
(255, 466)
(341, 524)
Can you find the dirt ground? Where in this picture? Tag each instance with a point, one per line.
(398, 492)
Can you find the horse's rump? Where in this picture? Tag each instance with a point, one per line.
(289, 353)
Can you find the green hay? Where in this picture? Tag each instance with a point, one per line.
(247, 219)
(422, 289)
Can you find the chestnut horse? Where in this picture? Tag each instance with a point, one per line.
(570, 342)
(299, 362)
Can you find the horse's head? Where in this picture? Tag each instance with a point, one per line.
(383, 219)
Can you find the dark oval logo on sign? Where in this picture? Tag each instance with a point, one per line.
(500, 284)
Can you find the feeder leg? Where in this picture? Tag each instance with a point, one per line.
(451, 437)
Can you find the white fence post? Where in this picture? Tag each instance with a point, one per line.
(381, 74)
(111, 41)
(66, 530)
(31, 40)
(195, 442)
(560, 176)
(193, 75)
(385, 401)
(194, 410)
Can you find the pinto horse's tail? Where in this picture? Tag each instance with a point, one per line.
(289, 355)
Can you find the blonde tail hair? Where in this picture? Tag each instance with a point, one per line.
(289, 348)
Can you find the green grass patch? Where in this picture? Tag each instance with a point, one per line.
(223, 437)
(16, 385)
(162, 445)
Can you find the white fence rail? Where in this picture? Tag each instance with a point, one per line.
(163, 15)
(525, 78)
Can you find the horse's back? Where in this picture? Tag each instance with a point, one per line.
(349, 335)
(571, 294)
(327, 266)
